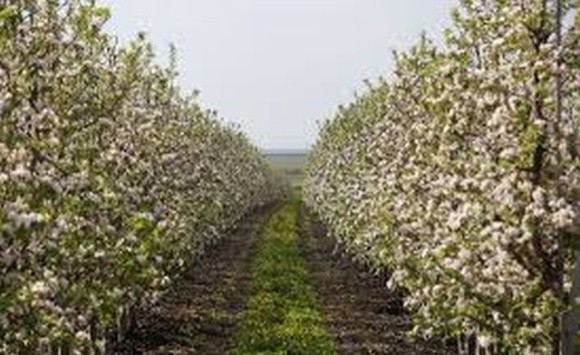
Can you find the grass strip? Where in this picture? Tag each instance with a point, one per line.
(281, 315)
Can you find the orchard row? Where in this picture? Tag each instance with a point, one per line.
(460, 175)
(112, 181)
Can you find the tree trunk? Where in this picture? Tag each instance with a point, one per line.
(571, 318)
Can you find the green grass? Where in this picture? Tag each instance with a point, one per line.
(281, 316)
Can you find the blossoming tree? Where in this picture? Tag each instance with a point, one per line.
(111, 180)
(460, 175)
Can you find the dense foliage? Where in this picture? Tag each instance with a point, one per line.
(460, 174)
(111, 180)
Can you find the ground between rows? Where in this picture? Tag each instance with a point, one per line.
(199, 314)
(282, 316)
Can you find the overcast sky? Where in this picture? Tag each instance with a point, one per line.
(277, 67)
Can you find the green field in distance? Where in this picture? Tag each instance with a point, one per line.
(289, 163)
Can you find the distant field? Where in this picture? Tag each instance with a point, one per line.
(289, 163)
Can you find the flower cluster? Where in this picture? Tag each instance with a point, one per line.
(460, 175)
(111, 180)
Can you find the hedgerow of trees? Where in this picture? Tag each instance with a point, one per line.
(112, 180)
(460, 175)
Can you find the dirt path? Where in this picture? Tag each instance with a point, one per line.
(198, 315)
(360, 313)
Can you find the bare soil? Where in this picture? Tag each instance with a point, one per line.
(361, 314)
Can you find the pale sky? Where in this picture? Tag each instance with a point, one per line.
(276, 67)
